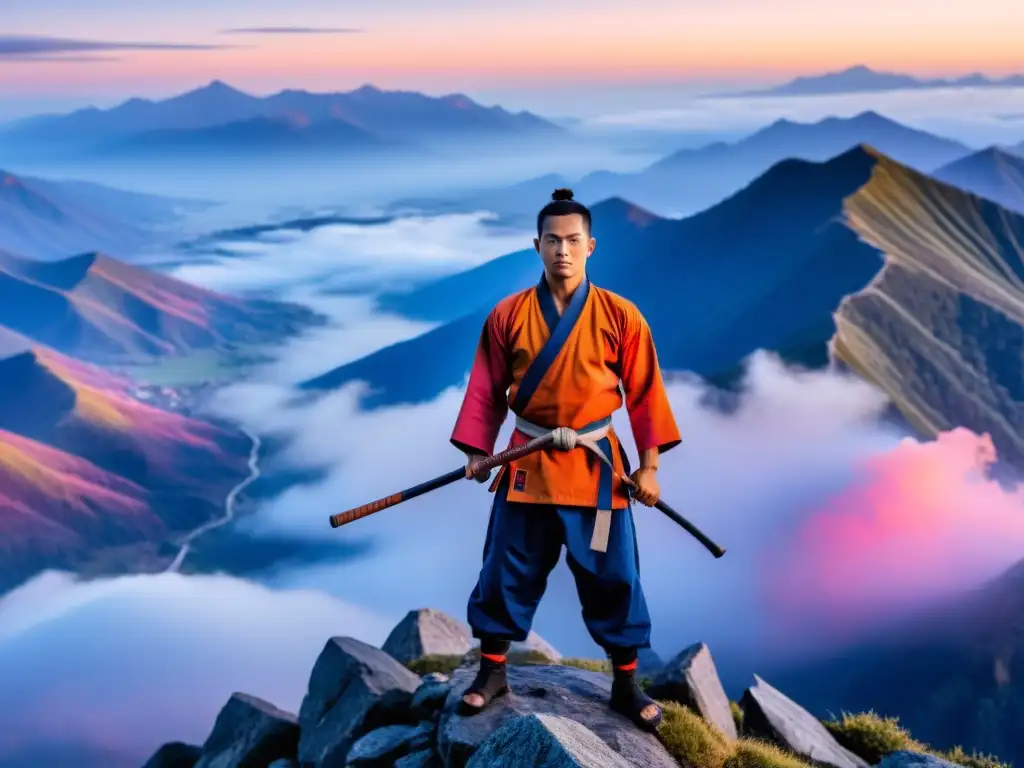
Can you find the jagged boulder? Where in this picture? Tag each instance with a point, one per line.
(908, 759)
(384, 746)
(354, 688)
(249, 731)
(535, 642)
(427, 632)
(175, 754)
(692, 679)
(430, 632)
(547, 740)
(430, 696)
(425, 758)
(576, 694)
(769, 714)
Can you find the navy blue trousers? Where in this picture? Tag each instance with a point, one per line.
(523, 544)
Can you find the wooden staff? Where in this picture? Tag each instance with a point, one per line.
(497, 460)
(461, 473)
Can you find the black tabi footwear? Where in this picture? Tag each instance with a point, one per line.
(490, 683)
(630, 701)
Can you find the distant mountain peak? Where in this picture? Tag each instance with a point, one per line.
(215, 86)
(870, 115)
(862, 78)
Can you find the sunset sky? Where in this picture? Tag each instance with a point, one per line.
(110, 49)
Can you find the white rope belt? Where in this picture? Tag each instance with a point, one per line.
(565, 439)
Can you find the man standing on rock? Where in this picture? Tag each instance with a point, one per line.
(560, 350)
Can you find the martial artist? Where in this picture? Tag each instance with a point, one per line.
(555, 354)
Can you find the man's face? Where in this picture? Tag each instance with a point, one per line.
(564, 246)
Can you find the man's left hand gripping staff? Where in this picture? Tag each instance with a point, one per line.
(647, 490)
(471, 461)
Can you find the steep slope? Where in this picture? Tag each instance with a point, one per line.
(85, 468)
(85, 411)
(98, 308)
(792, 263)
(941, 328)
(46, 219)
(991, 173)
(55, 507)
(955, 676)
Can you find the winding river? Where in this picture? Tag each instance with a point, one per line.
(229, 505)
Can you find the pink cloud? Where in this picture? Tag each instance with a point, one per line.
(923, 522)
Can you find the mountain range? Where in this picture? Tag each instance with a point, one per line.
(909, 281)
(218, 117)
(93, 477)
(45, 219)
(88, 472)
(992, 173)
(100, 309)
(691, 180)
(862, 79)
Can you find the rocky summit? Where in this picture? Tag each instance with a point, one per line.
(399, 706)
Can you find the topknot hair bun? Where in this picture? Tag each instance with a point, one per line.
(562, 194)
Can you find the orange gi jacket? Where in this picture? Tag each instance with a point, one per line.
(610, 342)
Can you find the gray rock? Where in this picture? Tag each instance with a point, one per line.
(383, 746)
(249, 731)
(691, 679)
(428, 698)
(907, 759)
(353, 688)
(535, 642)
(549, 741)
(175, 754)
(427, 632)
(769, 714)
(573, 693)
(425, 758)
(430, 632)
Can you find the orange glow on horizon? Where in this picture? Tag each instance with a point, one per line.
(505, 47)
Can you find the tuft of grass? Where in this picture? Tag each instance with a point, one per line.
(514, 658)
(591, 665)
(690, 739)
(737, 715)
(435, 662)
(973, 760)
(761, 754)
(872, 737)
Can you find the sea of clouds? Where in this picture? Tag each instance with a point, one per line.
(832, 521)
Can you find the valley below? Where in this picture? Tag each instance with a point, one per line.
(837, 307)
